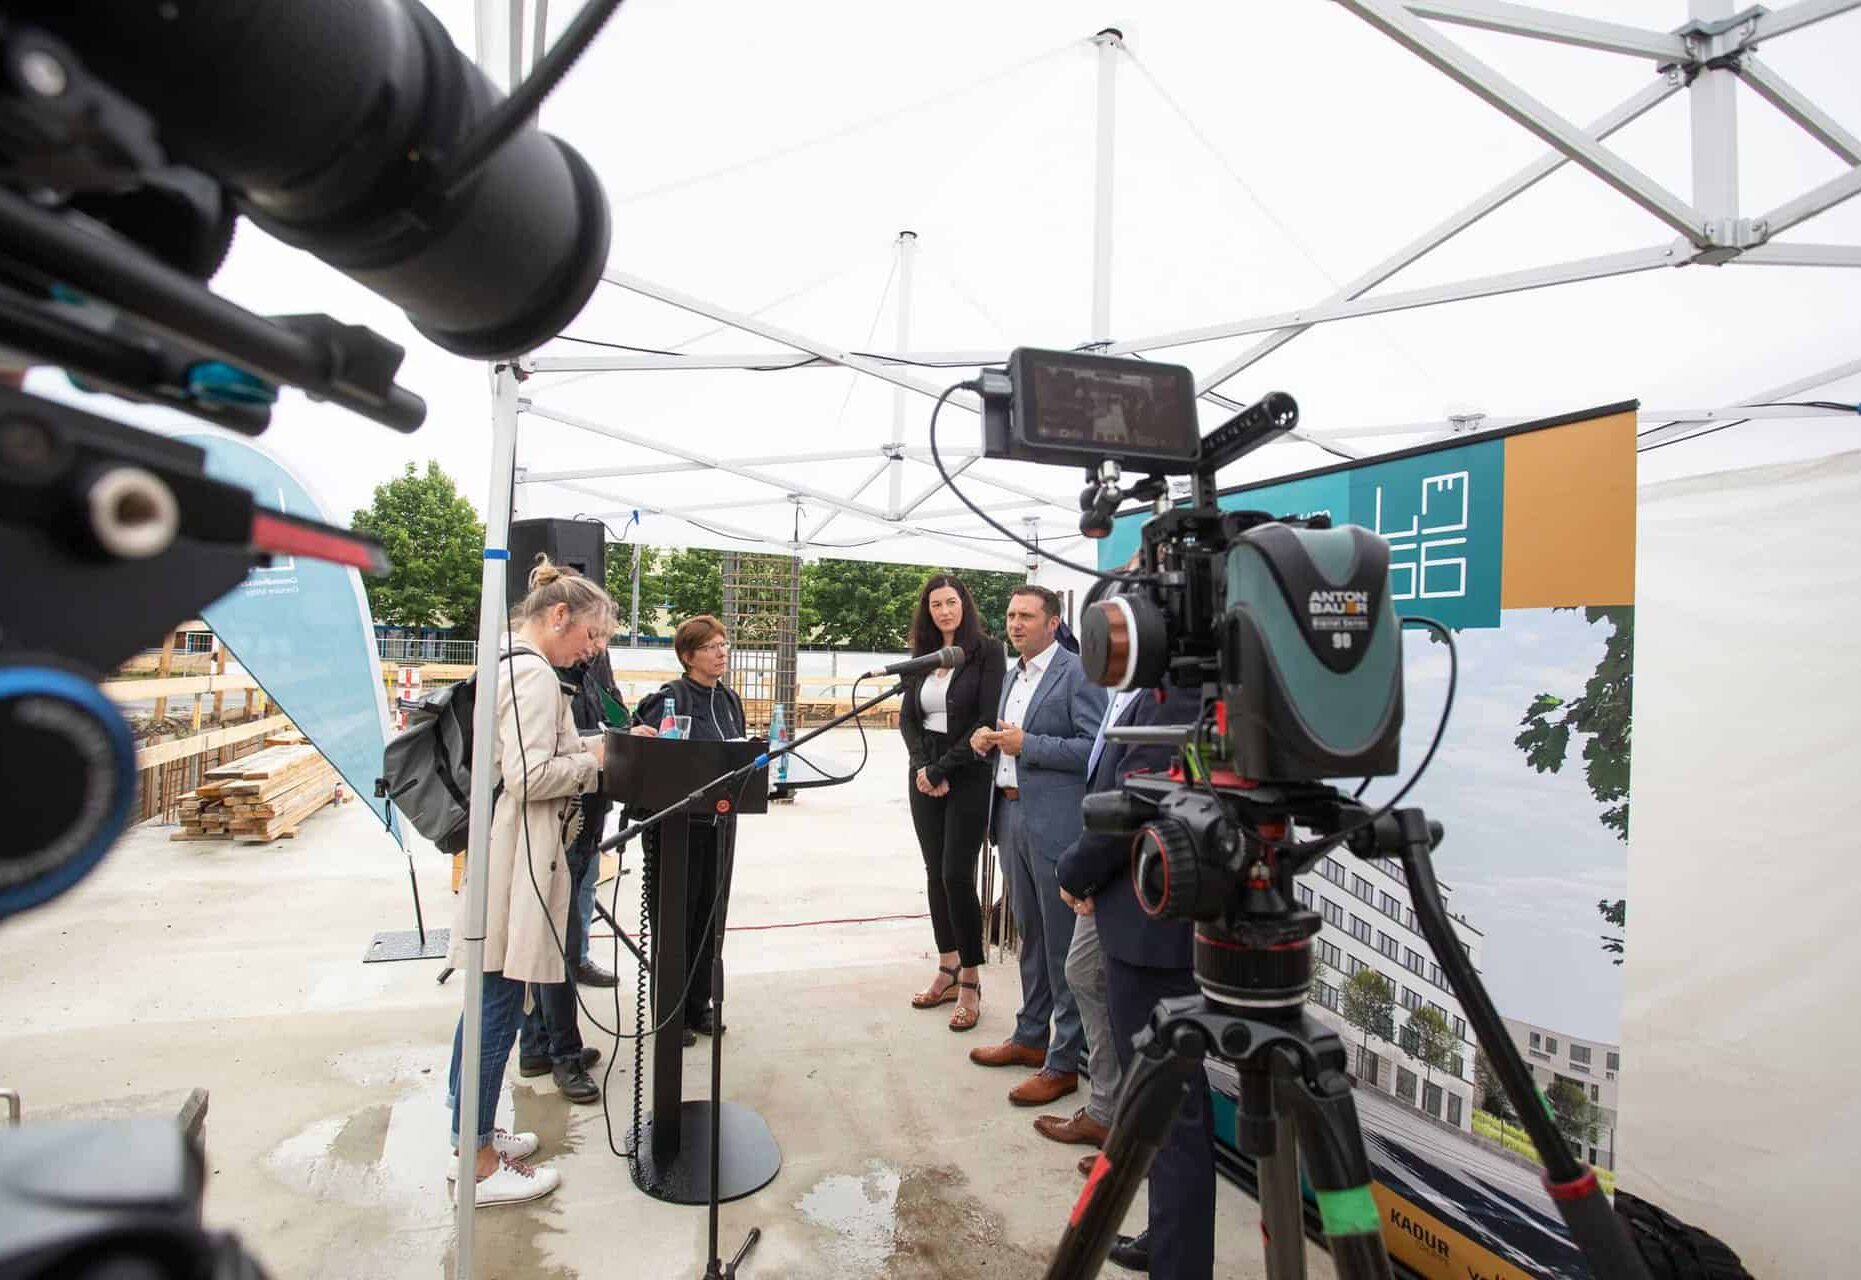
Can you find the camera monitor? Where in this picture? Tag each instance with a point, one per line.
(1071, 408)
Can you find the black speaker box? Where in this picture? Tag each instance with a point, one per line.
(578, 544)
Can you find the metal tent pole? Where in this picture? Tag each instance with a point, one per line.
(1712, 96)
(491, 617)
(907, 250)
(1110, 42)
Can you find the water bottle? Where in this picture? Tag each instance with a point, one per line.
(668, 721)
(778, 737)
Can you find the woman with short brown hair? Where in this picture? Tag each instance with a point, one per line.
(703, 649)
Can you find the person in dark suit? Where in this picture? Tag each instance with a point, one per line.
(1148, 960)
(949, 787)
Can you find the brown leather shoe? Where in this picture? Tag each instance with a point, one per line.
(1007, 1054)
(1079, 1127)
(1085, 1164)
(1044, 1087)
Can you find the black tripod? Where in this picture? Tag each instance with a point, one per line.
(1253, 961)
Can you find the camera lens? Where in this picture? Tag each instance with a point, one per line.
(1169, 877)
(1124, 642)
(328, 122)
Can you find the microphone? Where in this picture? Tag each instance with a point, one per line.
(950, 656)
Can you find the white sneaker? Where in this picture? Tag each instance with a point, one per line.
(514, 1182)
(509, 1146)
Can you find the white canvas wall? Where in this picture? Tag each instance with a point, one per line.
(1739, 1108)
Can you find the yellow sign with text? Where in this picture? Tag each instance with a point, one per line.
(1427, 1246)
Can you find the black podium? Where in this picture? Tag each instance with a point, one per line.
(673, 1148)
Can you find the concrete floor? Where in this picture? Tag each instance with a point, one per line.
(238, 968)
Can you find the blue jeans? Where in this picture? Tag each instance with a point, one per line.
(1046, 925)
(585, 884)
(503, 1009)
(552, 1028)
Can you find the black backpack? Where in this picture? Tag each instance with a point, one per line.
(427, 769)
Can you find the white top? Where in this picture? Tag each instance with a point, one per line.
(1028, 672)
(934, 701)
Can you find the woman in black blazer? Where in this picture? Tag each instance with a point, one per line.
(950, 784)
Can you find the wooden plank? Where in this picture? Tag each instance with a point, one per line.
(181, 748)
(166, 666)
(219, 671)
(176, 686)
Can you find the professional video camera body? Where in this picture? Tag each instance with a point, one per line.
(133, 137)
(1287, 628)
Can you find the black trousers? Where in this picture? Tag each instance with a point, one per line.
(950, 830)
(1182, 1178)
(701, 891)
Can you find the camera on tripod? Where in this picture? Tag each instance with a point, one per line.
(1285, 623)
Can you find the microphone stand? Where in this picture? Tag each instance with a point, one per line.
(715, 1267)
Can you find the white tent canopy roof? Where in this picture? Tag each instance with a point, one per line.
(1110, 192)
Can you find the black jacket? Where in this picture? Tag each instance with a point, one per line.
(1099, 866)
(716, 712)
(973, 699)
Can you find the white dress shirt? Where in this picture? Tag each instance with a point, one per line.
(1028, 672)
(1112, 711)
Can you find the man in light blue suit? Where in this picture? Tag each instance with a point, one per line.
(1050, 714)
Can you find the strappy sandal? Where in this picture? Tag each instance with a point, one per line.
(966, 1019)
(926, 1000)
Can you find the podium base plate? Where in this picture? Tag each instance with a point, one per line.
(747, 1158)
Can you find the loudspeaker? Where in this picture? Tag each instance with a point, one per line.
(578, 544)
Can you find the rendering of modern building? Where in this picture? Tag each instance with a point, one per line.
(1369, 923)
(1592, 1065)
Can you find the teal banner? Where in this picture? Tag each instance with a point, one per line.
(1443, 512)
(302, 629)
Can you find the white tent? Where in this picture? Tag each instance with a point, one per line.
(757, 370)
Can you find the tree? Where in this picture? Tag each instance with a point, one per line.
(1369, 1003)
(619, 560)
(685, 583)
(861, 604)
(1572, 1111)
(1433, 1042)
(1600, 716)
(433, 537)
(991, 591)
(1489, 1095)
(1616, 913)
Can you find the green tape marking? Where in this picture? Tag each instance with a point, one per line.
(1350, 1212)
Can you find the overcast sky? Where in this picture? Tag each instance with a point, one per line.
(1312, 147)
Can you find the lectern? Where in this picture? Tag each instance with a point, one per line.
(673, 1160)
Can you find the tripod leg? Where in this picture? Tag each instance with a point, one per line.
(1332, 1143)
(1160, 1076)
(1282, 1211)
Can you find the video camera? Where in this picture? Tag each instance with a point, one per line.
(133, 138)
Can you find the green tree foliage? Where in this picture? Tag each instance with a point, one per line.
(1368, 1003)
(685, 583)
(619, 559)
(1616, 913)
(1572, 1111)
(436, 543)
(860, 604)
(1489, 1095)
(1601, 717)
(1432, 1042)
(991, 590)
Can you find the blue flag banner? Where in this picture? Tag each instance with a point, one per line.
(302, 629)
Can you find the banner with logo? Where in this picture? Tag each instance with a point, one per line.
(302, 629)
(1523, 542)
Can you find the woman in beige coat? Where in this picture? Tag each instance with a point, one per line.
(544, 766)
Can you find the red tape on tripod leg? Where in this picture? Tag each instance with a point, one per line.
(1100, 1168)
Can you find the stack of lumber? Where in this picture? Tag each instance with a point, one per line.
(259, 798)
